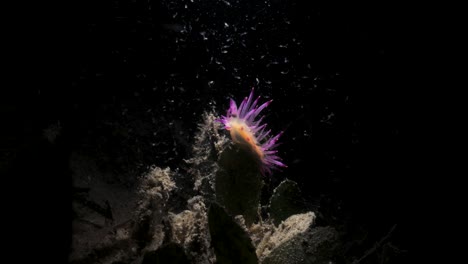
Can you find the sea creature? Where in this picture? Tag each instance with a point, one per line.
(248, 132)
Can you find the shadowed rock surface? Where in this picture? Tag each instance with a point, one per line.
(285, 201)
(231, 243)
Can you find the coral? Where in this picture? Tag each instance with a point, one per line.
(189, 229)
(205, 150)
(207, 213)
(313, 245)
(156, 187)
(288, 229)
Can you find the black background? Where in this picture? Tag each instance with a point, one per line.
(340, 75)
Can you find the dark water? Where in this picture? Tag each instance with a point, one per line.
(144, 72)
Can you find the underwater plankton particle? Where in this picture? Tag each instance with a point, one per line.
(248, 132)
